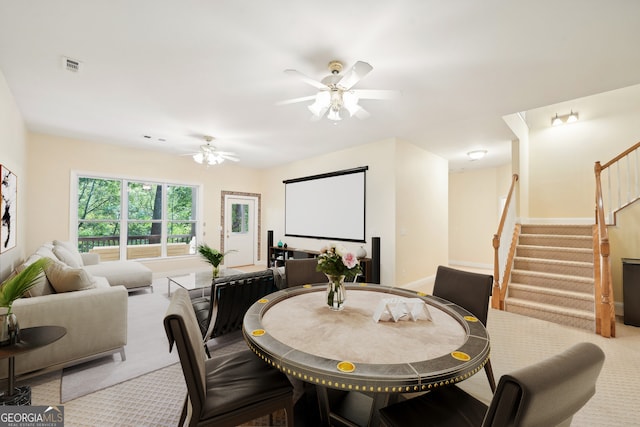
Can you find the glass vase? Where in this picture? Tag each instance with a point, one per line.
(336, 292)
(9, 329)
(216, 271)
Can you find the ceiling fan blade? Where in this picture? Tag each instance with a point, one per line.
(353, 76)
(376, 94)
(233, 159)
(295, 100)
(307, 80)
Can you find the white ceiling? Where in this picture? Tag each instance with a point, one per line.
(178, 70)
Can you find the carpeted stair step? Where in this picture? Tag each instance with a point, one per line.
(569, 268)
(562, 254)
(559, 241)
(564, 316)
(558, 229)
(555, 281)
(559, 297)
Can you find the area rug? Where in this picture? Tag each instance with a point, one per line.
(147, 348)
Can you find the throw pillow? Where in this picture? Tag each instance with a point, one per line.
(66, 279)
(42, 285)
(72, 251)
(45, 251)
(66, 257)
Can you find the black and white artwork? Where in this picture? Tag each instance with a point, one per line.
(8, 209)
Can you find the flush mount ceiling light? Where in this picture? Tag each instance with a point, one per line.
(336, 99)
(477, 154)
(567, 118)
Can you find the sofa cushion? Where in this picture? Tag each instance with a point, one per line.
(130, 274)
(42, 285)
(101, 282)
(47, 252)
(66, 257)
(66, 279)
(69, 252)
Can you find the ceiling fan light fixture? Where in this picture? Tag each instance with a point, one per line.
(320, 105)
(350, 102)
(334, 115)
(198, 158)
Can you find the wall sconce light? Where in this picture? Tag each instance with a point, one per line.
(567, 118)
(476, 154)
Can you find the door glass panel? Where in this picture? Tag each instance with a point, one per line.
(239, 218)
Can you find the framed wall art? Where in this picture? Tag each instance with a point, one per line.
(8, 209)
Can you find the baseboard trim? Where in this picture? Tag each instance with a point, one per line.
(471, 265)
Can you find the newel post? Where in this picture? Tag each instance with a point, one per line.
(496, 300)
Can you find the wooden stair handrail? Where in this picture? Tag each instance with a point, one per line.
(498, 293)
(620, 156)
(603, 292)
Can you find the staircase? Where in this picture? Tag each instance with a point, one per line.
(552, 275)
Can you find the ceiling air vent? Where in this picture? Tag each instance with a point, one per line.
(71, 64)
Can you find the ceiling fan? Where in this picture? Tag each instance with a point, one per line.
(335, 97)
(209, 155)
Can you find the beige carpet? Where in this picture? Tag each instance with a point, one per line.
(155, 399)
(147, 348)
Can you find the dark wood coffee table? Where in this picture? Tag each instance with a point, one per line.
(30, 339)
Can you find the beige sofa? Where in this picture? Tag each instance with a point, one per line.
(95, 319)
(130, 274)
(91, 308)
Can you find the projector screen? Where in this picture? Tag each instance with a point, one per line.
(327, 206)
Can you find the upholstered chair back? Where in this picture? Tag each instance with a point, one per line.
(302, 271)
(182, 330)
(470, 291)
(548, 393)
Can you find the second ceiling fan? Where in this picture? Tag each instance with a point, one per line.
(335, 97)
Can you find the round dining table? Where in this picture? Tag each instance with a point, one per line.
(361, 351)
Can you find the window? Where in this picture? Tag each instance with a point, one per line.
(120, 218)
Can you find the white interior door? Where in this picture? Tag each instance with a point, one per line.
(240, 230)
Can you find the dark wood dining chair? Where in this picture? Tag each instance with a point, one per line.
(470, 291)
(225, 390)
(302, 271)
(547, 394)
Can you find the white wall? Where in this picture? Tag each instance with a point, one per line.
(474, 214)
(13, 156)
(52, 159)
(422, 220)
(562, 158)
(391, 180)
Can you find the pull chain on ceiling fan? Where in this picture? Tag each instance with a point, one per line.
(335, 97)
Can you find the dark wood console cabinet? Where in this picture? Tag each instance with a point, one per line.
(278, 257)
(631, 290)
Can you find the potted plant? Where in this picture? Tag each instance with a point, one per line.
(13, 289)
(213, 257)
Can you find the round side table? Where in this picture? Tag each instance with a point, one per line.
(30, 339)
